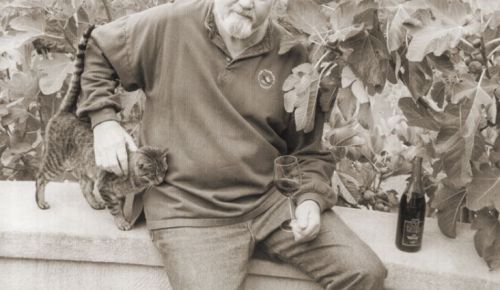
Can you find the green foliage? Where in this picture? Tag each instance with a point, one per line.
(301, 88)
(484, 189)
(487, 238)
(397, 78)
(444, 57)
(38, 39)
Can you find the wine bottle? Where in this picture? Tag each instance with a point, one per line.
(411, 214)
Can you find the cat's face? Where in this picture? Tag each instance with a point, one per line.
(151, 165)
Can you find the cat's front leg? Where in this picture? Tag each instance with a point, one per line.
(87, 188)
(114, 203)
(122, 223)
(115, 206)
(41, 182)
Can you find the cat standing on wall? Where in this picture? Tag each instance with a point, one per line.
(68, 146)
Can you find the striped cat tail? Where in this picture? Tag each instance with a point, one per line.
(69, 101)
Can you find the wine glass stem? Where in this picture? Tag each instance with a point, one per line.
(292, 208)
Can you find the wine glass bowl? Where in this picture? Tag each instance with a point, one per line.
(287, 179)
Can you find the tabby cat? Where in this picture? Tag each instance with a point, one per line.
(68, 146)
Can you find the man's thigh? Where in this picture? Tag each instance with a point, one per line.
(336, 258)
(205, 258)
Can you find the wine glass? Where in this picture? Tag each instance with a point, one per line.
(287, 179)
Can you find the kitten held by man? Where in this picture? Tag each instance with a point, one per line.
(68, 146)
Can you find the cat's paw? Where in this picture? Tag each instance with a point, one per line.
(97, 205)
(122, 223)
(43, 205)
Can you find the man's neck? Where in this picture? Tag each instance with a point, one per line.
(236, 46)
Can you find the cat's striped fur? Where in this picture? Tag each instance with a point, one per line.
(68, 146)
(69, 101)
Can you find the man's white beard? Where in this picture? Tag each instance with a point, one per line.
(237, 26)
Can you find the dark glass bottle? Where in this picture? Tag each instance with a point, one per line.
(411, 215)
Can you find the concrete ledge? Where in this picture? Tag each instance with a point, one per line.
(71, 246)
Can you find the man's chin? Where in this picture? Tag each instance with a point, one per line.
(239, 30)
(240, 35)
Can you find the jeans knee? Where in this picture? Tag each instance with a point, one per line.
(372, 275)
(360, 275)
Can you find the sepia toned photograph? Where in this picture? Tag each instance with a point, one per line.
(249, 144)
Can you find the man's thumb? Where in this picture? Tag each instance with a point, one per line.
(302, 221)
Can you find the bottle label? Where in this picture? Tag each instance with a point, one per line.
(412, 232)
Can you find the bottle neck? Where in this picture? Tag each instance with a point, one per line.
(416, 189)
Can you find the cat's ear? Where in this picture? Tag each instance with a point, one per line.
(164, 154)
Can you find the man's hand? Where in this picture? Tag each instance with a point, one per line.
(307, 224)
(110, 147)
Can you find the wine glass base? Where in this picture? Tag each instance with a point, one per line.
(286, 226)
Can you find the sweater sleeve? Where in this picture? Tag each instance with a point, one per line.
(316, 164)
(101, 73)
(116, 54)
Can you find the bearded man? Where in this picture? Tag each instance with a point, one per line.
(213, 77)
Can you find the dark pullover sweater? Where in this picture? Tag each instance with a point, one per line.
(223, 119)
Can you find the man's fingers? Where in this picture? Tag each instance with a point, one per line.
(306, 227)
(295, 230)
(302, 222)
(120, 166)
(110, 143)
(130, 143)
(314, 221)
(312, 227)
(116, 169)
(299, 234)
(111, 164)
(121, 155)
(98, 158)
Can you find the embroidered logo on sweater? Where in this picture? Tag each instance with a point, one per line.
(266, 79)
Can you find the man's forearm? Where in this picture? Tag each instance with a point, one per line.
(316, 164)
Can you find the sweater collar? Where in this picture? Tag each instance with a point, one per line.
(263, 46)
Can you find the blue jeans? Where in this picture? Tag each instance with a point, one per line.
(217, 257)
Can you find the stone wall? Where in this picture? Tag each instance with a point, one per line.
(71, 246)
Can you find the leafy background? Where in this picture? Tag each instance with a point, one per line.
(397, 79)
(38, 39)
(401, 79)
